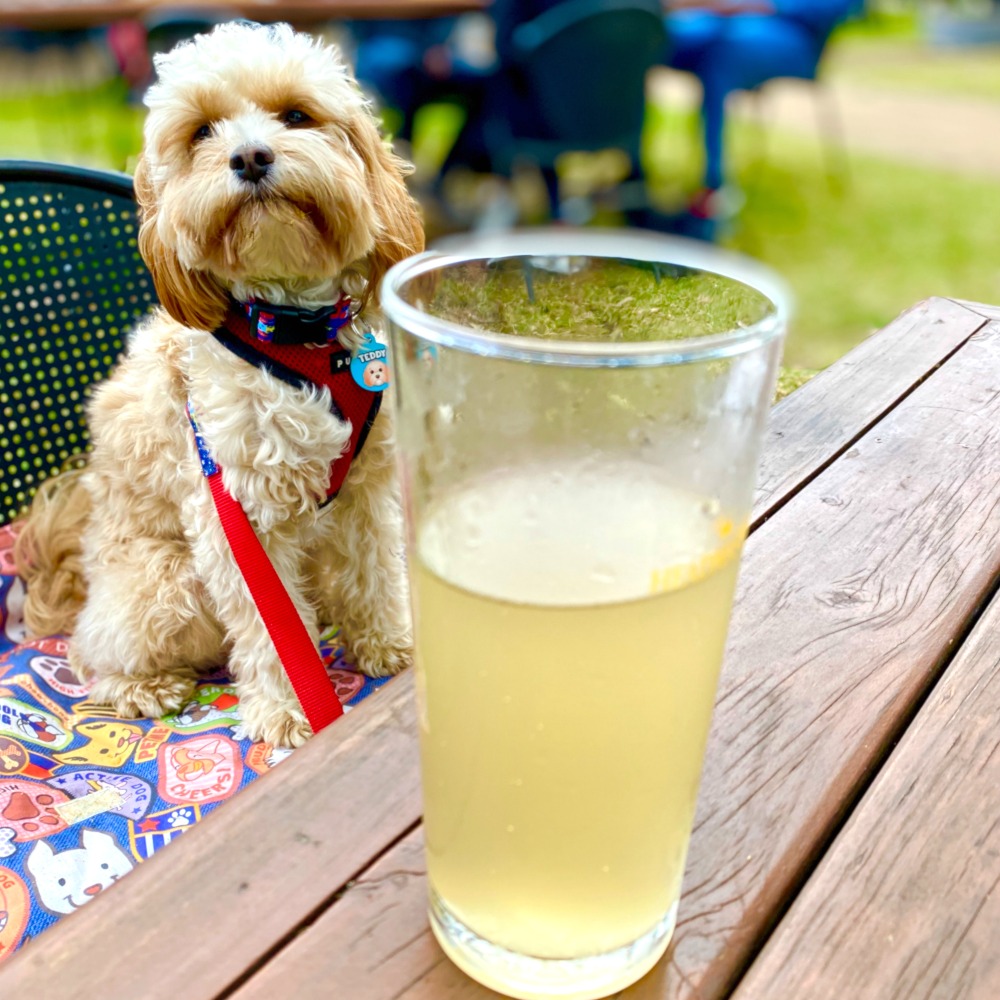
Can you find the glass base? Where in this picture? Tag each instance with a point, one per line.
(528, 978)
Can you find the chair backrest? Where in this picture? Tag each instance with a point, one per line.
(72, 284)
(584, 63)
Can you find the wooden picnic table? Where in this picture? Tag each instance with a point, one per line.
(846, 842)
(72, 14)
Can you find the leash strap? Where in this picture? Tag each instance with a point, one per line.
(296, 651)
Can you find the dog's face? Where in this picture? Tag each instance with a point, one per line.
(262, 164)
(375, 373)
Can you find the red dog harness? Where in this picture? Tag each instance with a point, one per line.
(300, 348)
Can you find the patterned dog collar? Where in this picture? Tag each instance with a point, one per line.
(289, 325)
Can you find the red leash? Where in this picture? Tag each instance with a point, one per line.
(296, 650)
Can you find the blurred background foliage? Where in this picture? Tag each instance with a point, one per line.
(894, 198)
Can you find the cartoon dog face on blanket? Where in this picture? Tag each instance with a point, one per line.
(64, 881)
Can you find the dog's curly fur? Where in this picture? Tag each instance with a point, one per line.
(128, 556)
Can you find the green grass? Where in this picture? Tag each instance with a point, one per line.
(855, 253)
(881, 26)
(889, 51)
(616, 302)
(95, 127)
(856, 259)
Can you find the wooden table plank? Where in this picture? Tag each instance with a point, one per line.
(809, 429)
(258, 825)
(362, 945)
(235, 885)
(991, 312)
(906, 904)
(850, 601)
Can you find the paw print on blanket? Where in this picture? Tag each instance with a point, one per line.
(181, 817)
(55, 671)
(159, 828)
(346, 683)
(29, 808)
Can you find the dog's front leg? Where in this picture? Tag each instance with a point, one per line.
(143, 634)
(363, 546)
(269, 709)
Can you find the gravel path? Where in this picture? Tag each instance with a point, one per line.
(949, 132)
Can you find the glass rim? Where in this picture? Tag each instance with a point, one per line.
(564, 241)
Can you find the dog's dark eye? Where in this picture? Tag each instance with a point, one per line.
(203, 133)
(295, 117)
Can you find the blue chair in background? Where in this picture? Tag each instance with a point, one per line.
(743, 51)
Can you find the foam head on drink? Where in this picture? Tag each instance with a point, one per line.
(570, 627)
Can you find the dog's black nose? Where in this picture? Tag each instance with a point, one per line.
(251, 163)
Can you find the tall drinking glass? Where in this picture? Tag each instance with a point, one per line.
(579, 420)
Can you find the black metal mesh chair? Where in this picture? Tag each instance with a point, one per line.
(72, 284)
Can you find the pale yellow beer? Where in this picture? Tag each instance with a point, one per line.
(579, 417)
(570, 628)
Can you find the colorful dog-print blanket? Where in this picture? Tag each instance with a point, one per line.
(84, 796)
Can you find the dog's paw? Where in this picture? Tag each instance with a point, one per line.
(84, 672)
(143, 697)
(277, 723)
(376, 656)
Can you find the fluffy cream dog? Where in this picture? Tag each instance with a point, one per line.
(263, 177)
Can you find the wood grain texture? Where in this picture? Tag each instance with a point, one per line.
(377, 932)
(906, 904)
(230, 889)
(862, 584)
(850, 601)
(809, 428)
(990, 312)
(368, 763)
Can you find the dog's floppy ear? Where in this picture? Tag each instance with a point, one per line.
(191, 297)
(402, 230)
